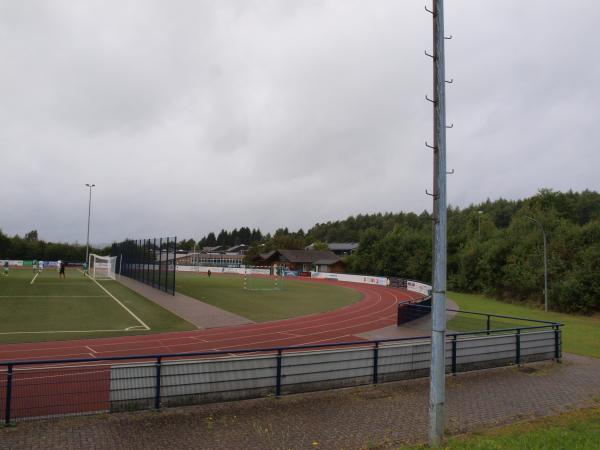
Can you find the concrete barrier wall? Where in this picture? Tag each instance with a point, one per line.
(133, 386)
(364, 279)
(416, 286)
(236, 270)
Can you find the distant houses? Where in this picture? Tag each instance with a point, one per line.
(217, 256)
(302, 260)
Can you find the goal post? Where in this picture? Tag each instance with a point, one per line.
(102, 267)
(263, 278)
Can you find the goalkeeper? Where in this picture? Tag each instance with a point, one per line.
(85, 268)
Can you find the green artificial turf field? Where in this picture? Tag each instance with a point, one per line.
(297, 298)
(581, 334)
(50, 308)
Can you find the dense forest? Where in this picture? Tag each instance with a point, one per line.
(493, 247)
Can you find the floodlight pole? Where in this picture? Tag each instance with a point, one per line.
(438, 315)
(545, 262)
(87, 242)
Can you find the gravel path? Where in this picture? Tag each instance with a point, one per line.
(382, 416)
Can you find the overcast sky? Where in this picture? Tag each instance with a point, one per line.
(192, 116)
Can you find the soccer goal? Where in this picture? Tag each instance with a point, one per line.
(263, 278)
(102, 267)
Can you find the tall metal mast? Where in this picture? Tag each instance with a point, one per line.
(438, 319)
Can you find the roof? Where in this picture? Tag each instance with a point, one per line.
(343, 246)
(212, 249)
(338, 246)
(309, 256)
(267, 255)
(237, 247)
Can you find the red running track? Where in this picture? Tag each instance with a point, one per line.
(50, 390)
(377, 309)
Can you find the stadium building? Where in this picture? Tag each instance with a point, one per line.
(303, 260)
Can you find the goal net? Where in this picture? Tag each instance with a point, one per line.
(263, 278)
(102, 267)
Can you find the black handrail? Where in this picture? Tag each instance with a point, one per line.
(549, 322)
(156, 360)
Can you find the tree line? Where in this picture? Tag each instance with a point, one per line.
(224, 238)
(30, 247)
(493, 247)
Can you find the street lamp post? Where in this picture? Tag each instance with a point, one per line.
(545, 262)
(87, 242)
(479, 213)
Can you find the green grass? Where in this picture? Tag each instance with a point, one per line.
(74, 308)
(581, 334)
(297, 298)
(575, 430)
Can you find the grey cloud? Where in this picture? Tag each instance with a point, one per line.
(195, 116)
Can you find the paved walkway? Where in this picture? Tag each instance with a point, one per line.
(200, 314)
(385, 416)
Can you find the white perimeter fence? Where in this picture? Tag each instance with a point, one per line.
(414, 286)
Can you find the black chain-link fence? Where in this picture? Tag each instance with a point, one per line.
(149, 261)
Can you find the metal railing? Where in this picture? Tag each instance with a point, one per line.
(149, 261)
(465, 320)
(50, 388)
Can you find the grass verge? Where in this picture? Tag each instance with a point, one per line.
(581, 334)
(579, 429)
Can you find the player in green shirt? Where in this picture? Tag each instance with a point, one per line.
(34, 264)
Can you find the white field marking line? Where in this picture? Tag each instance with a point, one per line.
(53, 296)
(59, 331)
(146, 327)
(36, 275)
(135, 327)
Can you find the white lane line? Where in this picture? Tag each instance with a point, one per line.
(36, 275)
(146, 327)
(91, 349)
